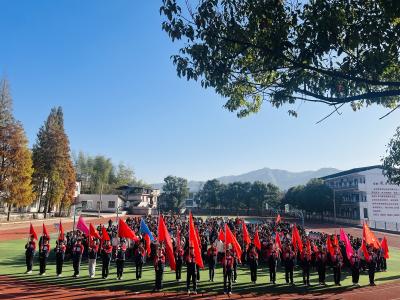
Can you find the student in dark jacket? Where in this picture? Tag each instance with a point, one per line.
(77, 252)
(159, 266)
(140, 257)
(60, 256)
(120, 256)
(106, 253)
(43, 255)
(29, 254)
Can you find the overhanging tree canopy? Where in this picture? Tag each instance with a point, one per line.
(329, 51)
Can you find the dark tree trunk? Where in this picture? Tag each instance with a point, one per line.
(41, 194)
(9, 212)
(60, 209)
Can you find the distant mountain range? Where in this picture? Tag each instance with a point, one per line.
(282, 178)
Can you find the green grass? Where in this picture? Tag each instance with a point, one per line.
(12, 263)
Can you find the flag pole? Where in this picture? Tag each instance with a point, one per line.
(225, 246)
(59, 230)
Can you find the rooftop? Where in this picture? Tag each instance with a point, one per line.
(352, 171)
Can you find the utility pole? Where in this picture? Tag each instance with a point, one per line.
(101, 200)
(334, 206)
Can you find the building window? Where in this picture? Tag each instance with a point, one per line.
(365, 213)
(84, 204)
(111, 204)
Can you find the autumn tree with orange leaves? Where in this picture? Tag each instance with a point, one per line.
(15, 157)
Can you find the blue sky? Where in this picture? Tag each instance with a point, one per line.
(107, 63)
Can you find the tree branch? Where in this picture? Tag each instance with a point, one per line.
(330, 114)
(384, 116)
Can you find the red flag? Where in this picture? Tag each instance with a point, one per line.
(125, 232)
(230, 239)
(278, 219)
(296, 239)
(329, 246)
(178, 238)
(93, 232)
(163, 236)
(369, 237)
(385, 248)
(221, 235)
(246, 237)
(364, 250)
(147, 241)
(61, 229)
(335, 240)
(257, 241)
(278, 241)
(104, 234)
(308, 246)
(45, 232)
(198, 236)
(195, 242)
(32, 232)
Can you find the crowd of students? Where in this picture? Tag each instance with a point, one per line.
(273, 248)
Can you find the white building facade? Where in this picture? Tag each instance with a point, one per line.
(102, 203)
(364, 194)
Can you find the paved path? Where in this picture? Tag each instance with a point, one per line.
(11, 288)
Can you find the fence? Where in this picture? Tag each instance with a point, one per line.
(380, 225)
(390, 226)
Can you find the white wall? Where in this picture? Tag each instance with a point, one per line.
(383, 199)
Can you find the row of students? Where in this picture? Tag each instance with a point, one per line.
(229, 262)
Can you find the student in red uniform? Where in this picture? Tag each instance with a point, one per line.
(159, 266)
(288, 258)
(179, 254)
(253, 263)
(337, 261)
(77, 251)
(43, 255)
(355, 268)
(92, 255)
(191, 270)
(60, 256)
(321, 260)
(306, 265)
(273, 264)
(140, 257)
(106, 253)
(372, 262)
(212, 254)
(120, 256)
(227, 263)
(235, 263)
(29, 254)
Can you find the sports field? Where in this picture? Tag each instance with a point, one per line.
(12, 266)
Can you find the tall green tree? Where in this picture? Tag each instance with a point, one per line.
(15, 157)
(238, 195)
(294, 196)
(391, 162)
(6, 104)
(53, 172)
(315, 197)
(124, 175)
(251, 52)
(318, 197)
(99, 174)
(262, 193)
(211, 194)
(175, 192)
